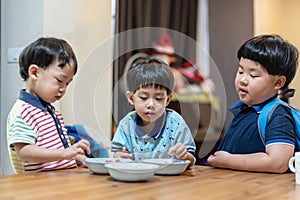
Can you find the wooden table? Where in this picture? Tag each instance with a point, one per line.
(199, 183)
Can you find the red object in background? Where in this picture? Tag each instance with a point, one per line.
(191, 72)
(165, 41)
(163, 46)
(163, 49)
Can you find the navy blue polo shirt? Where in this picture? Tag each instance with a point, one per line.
(242, 136)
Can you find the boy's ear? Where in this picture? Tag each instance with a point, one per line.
(169, 99)
(280, 82)
(33, 71)
(129, 96)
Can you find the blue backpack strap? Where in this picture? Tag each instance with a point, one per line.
(265, 115)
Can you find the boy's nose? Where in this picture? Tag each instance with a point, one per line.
(244, 80)
(62, 89)
(150, 103)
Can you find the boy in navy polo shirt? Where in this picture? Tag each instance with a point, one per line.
(267, 64)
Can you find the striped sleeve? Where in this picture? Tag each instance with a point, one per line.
(20, 131)
(17, 164)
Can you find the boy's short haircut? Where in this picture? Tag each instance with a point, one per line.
(277, 56)
(150, 72)
(43, 52)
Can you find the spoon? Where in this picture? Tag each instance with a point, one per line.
(174, 159)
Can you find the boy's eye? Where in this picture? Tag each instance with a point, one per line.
(59, 80)
(143, 98)
(159, 98)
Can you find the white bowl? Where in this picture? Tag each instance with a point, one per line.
(131, 172)
(169, 166)
(96, 165)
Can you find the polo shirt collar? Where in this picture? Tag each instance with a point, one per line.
(156, 131)
(33, 100)
(240, 105)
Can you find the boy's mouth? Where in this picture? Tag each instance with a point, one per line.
(150, 113)
(242, 91)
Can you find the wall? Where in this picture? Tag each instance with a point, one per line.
(281, 17)
(230, 24)
(86, 25)
(19, 25)
(88, 99)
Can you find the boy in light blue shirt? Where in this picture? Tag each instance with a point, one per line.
(152, 130)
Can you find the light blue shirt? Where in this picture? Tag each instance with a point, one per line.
(156, 144)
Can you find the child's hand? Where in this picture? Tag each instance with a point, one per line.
(122, 154)
(80, 160)
(79, 148)
(180, 151)
(219, 159)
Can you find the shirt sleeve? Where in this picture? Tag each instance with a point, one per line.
(185, 137)
(281, 127)
(21, 132)
(121, 138)
(183, 132)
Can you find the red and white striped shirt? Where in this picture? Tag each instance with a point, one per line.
(30, 122)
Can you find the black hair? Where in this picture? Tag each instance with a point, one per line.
(150, 72)
(43, 52)
(277, 56)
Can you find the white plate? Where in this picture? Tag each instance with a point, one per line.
(169, 166)
(96, 165)
(131, 172)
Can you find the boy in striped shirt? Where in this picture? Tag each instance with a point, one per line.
(37, 137)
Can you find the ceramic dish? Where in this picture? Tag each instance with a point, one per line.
(169, 166)
(96, 165)
(131, 172)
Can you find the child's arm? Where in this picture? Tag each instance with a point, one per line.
(274, 160)
(34, 153)
(180, 151)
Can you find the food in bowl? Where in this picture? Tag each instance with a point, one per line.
(131, 172)
(169, 166)
(96, 165)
